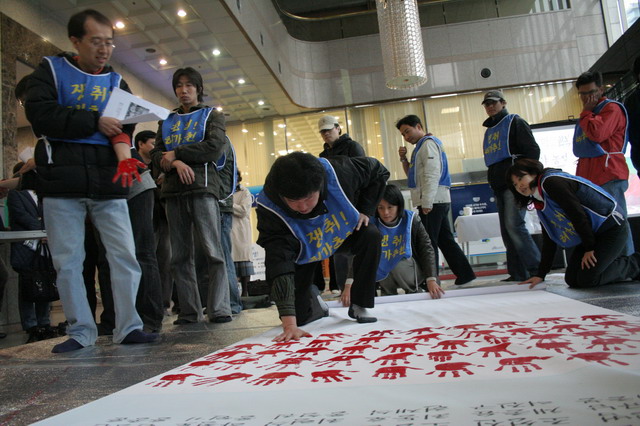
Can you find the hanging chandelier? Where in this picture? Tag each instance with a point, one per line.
(401, 41)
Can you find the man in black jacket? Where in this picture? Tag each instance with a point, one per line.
(79, 161)
(509, 137)
(309, 209)
(335, 143)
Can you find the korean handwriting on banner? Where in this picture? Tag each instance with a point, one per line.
(567, 231)
(182, 135)
(96, 98)
(395, 248)
(328, 238)
(494, 144)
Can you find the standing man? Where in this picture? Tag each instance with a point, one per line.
(188, 145)
(429, 181)
(600, 140)
(509, 137)
(79, 164)
(308, 209)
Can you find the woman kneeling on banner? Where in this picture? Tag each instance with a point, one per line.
(577, 213)
(407, 254)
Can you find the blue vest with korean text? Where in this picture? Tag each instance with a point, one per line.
(496, 141)
(396, 243)
(220, 165)
(80, 90)
(445, 178)
(596, 202)
(322, 235)
(583, 147)
(184, 129)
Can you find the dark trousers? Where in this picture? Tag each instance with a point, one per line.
(226, 220)
(163, 254)
(612, 265)
(439, 229)
(149, 299)
(365, 246)
(95, 257)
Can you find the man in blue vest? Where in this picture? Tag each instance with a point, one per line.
(509, 137)
(79, 161)
(429, 181)
(308, 209)
(189, 143)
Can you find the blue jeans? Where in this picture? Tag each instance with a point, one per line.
(64, 219)
(617, 188)
(523, 255)
(33, 314)
(197, 214)
(226, 219)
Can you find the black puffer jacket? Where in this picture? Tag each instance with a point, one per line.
(73, 170)
(343, 146)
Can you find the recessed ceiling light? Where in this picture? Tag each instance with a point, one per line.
(182, 13)
(215, 52)
(120, 25)
(260, 102)
(163, 61)
(219, 108)
(245, 131)
(241, 81)
(150, 50)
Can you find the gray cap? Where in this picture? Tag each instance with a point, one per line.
(493, 95)
(327, 122)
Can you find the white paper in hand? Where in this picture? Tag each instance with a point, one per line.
(132, 109)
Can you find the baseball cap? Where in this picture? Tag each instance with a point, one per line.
(327, 122)
(493, 95)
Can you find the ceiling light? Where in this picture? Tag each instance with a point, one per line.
(245, 131)
(182, 13)
(215, 52)
(450, 110)
(219, 108)
(260, 102)
(298, 146)
(119, 25)
(163, 61)
(547, 99)
(288, 134)
(241, 81)
(282, 126)
(259, 143)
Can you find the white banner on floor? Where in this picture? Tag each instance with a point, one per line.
(519, 358)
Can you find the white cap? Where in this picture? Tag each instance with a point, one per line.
(327, 122)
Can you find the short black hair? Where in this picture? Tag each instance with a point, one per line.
(409, 120)
(295, 175)
(521, 167)
(589, 77)
(238, 176)
(194, 77)
(143, 136)
(393, 196)
(21, 87)
(75, 27)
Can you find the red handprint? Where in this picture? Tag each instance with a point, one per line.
(394, 358)
(379, 333)
(280, 345)
(393, 373)
(330, 375)
(422, 330)
(524, 362)
(466, 327)
(566, 327)
(554, 345)
(486, 334)
(310, 351)
(334, 336)
(365, 340)
(171, 379)
(451, 344)
(197, 364)
(607, 324)
(616, 342)
(273, 352)
(235, 363)
(426, 337)
(546, 336)
(505, 324)
(599, 357)
(273, 378)
(347, 359)
(598, 317)
(224, 354)
(248, 346)
(592, 333)
(496, 350)
(440, 356)
(212, 381)
(319, 343)
(522, 330)
(454, 368)
(357, 349)
(284, 363)
(554, 320)
(402, 347)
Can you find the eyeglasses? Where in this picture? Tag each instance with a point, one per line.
(100, 42)
(589, 93)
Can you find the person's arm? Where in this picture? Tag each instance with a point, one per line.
(356, 150)
(19, 213)
(242, 208)
(402, 152)
(211, 148)
(428, 160)
(424, 255)
(522, 140)
(367, 177)
(599, 127)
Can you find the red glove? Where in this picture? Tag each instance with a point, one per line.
(128, 170)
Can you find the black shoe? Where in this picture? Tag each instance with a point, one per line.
(104, 330)
(46, 332)
(183, 321)
(463, 281)
(221, 320)
(509, 279)
(62, 328)
(361, 320)
(33, 335)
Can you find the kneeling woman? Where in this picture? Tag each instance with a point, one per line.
(407, 254)
(575, 212)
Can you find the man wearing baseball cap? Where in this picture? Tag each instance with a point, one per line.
(509, 137)
(335, 143)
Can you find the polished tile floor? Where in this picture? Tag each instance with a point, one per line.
(37, 384)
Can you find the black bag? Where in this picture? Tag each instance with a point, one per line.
(39, 283)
